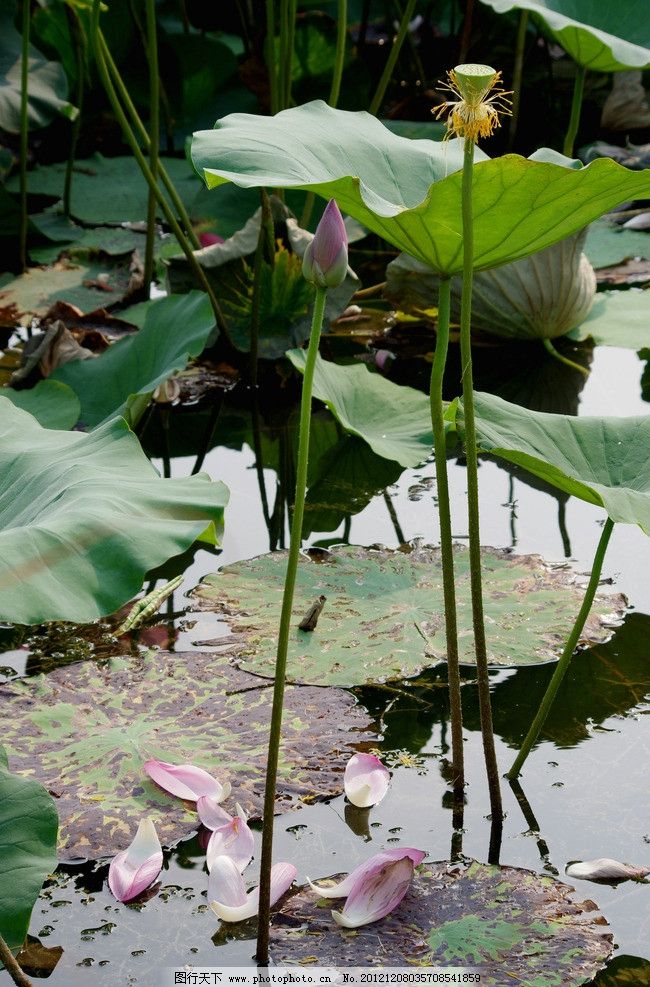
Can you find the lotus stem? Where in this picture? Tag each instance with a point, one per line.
(78, 40)
(339, 58)
(12, 967)
(576, 108)
(262, 954)
(391, 61)
(24, 127)
(482, 673)
(517, 73)
(141, 130)
(288, 13)
(271, 64)
(550, 348)
(154, 139)
(567, 654)
(446, 539)
(129, 136)
(264, 240)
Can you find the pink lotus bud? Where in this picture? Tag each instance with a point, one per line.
(227, 893)
(366, 780)
(186, 781)
(133, 870)
(325, 262)
(375, 888)
(234, 840)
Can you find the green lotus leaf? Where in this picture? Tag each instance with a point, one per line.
(605, 37)
(460, 915)
(121, 380)
(618, 318)
(53, 404)
(608, 243)
(84, 517)
(86, 730)
(409, 191)
(384, 615)
(28, 831)
(601, 460)
(395, 421)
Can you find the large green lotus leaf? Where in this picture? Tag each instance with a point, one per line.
(618, 318)
(86, 730)
(395, 421)
(175, 328)
(47, 87)
(84, 517)
(602, 36)
(608, 243)
(107, 190)
(409, 191)
(53, 405)
(601, 460)
(384, 616)
(460, 915)
(28, 830)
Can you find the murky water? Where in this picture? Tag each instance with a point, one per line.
(584, 790)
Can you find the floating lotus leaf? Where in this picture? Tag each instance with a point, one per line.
(540, 297)
(410, 191)
(384, 616)
(86, 730)
(601, 460)
(605, 37)
(608, 243)
(505, 920)
(395, 421)
(83, 518)
(618, 318)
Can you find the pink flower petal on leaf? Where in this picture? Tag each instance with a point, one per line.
(348, 884)
(211, 814)
(377, 893)
(185, 781)
(227, 895)
(234, 840)
(134, 869)
(366, 780)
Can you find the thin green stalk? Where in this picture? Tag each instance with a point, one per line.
(141, 130)
(12, 967)
(550, 348)
(476, 580)
(446, 539)
(129, 136)
(567, 654)
(282, 55)
(271, 61)
(393, 55)
(24, 126)
(154, 139)
(264, 243)
(576, 107)
(517, 73)
(287, 65)
(262, 954)
(339, 57)
(78, 40)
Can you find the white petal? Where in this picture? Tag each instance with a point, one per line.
(234, 840)
(134, 869)
(211, 814)
(606, 869)
(348, 884)
(366, 780)
(225, 884)
(282, 876)
(376, 895)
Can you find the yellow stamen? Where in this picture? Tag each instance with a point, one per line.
(474, 113)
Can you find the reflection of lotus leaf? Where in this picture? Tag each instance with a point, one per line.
(384, 613)
(86, 730)
(502, 919)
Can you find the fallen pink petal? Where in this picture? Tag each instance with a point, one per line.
(366, 780)
(186, 781)
(344, 888)
(134, 869)
(227, 895)
(376, 893)
(211, 814)
(234, 840)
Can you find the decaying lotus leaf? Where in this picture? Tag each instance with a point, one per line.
(500, 919)
(541, 297)
(384, 616)
(86, 730)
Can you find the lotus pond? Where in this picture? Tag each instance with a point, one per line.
(324, 491)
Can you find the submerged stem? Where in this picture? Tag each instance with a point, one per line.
(567, 654)
(476, 581)
(262, 954)
(576, 108)
(446, 540)
(550, 348)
